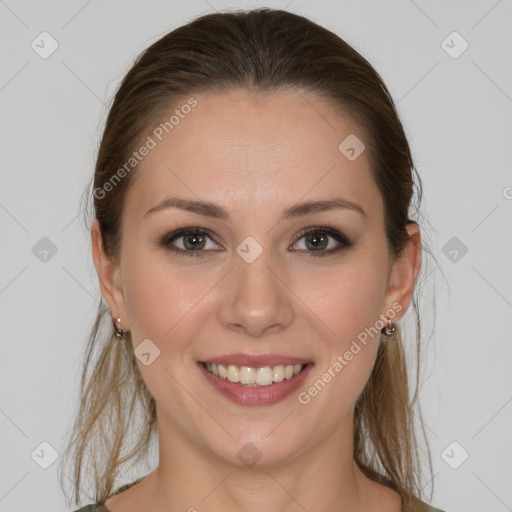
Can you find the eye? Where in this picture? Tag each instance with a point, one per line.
(190, 241)
(317, 239)
(193, 241)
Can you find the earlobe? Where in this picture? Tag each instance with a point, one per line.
(108, 275)
(404, 272)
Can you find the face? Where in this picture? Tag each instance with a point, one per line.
(251, 282)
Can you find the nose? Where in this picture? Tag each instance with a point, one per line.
(256, 298)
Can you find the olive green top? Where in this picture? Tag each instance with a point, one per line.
(101, 508)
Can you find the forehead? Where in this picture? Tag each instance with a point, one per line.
(234, 147)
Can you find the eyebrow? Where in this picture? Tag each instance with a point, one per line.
(208, 209)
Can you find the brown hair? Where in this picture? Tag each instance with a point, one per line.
(262, 50)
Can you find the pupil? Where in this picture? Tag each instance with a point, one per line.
(196, 241)
(316, 240)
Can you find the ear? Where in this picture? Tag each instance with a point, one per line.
(404, 272)
(109, 275)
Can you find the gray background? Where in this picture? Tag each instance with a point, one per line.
(457, 114)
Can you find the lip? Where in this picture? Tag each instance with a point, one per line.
(265, 395)
(256, 361)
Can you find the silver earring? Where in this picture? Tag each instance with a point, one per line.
(117, 330)
(389, 329)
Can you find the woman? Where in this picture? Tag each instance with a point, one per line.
(252, 242)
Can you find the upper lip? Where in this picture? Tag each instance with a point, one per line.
(256, 361)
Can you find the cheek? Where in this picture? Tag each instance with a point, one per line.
(166, 307)
(348, 302)
(158, 300)
(347, 299)
(169, 304)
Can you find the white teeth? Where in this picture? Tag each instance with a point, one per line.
(223, 372)
(278, 373)
(247, 375)
(264, 376)
(254, 377)
(233, 373)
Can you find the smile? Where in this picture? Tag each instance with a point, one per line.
(254, 377)
(255, 385)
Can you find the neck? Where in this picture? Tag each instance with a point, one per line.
(324, 478)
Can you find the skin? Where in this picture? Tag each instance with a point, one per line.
(255, 156)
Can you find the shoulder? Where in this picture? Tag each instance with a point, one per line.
(418, 505)
(429, 508)
(94, 507)
(101, 507)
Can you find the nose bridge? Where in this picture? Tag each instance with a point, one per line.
(256, 299)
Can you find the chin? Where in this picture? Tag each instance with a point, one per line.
(258, 449)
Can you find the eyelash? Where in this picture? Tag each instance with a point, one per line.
(343, 240)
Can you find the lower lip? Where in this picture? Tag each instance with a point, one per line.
(264, 395)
